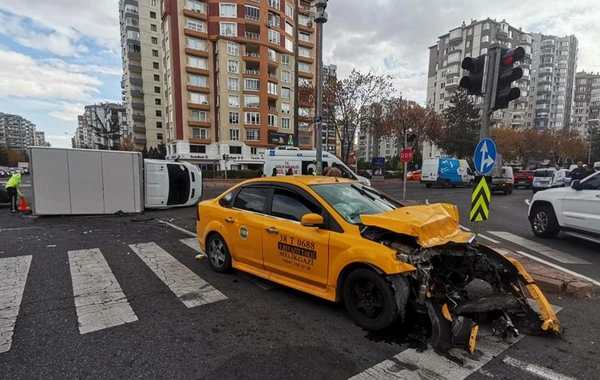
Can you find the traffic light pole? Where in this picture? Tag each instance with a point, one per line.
(490, 79)
(320, 19)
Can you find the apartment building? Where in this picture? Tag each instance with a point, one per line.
(83, 138)
(553, 84)
(102, 126)
(329, 138)
(473, 40)
(142, 83)
(16, 132)
(40, 138)
(229, 72)
(586, 112)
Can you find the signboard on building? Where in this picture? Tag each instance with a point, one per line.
(278, 138)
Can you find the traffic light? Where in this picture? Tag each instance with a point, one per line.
(473, 82)
(506, 75)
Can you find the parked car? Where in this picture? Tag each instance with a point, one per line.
(523, 178)
(505, 182)
(3, 174)
(414, 176)
(542, 179)
(574, 210)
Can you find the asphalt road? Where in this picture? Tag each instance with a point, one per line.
(246, 329)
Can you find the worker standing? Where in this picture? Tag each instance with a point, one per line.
(13, 190)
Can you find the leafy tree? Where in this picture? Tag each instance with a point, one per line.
(565, 144)
(161, 151)
(506, 139)
(152, 152)
(594, 136)
(461, 133)
(127, 144)
(145, 153)
(530, 144)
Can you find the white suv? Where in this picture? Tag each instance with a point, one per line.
(574, 210)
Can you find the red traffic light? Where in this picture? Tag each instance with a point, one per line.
(512, 56)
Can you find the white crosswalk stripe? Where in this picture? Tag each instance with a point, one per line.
(99, 299)
(559, 256)
(13, 276)
(185, 284)
(192, 243)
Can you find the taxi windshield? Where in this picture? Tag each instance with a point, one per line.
(353, 200)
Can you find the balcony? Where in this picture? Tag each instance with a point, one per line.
(137, 105)
(135, 68)
(136, 81)
(137, 92)
(138, 117)
(252, 35)
(134, 55)
(251, 72)
(452, 83)
(139, 140)
(137, 129)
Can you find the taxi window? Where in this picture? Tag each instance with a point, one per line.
(251, 199)
(292, 206)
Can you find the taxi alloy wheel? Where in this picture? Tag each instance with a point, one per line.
(218, 254)
(369, 300)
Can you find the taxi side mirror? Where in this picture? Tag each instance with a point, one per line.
(312, 220)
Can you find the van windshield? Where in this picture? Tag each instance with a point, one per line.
(179, 184)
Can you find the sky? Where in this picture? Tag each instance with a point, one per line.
(59, 55)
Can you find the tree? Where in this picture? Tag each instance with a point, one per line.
(565, 144)
(15, 156)
(161, 151)
(127, 144)
(3, 155)
(593, 153)
(505, 139)
(109, 132)
(530, 144)
(461, 133)
(346, 101)
(145, 153)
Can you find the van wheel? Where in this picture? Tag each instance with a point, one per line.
(428, 185)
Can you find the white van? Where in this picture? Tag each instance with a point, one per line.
(171, 184)
(301, 161)
(446, 172)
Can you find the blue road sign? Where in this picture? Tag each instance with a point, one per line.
(485, 156)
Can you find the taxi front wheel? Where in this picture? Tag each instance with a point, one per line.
(218, 254)
(369, 300)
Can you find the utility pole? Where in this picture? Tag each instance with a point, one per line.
(296, 80)
(320, 19)
(405, 164)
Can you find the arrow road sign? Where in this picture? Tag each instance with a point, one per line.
(485, 156)
(480, 202)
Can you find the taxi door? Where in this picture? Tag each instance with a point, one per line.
(290, 249)
(244, 225)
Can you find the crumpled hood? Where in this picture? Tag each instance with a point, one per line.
(434, 224)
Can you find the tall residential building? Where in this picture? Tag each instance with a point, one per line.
(329, 138)
(553, 83)
(473, 40)
(16, 132)
(586, 111)
(102, 126)
(40, 138)
(84, 135)
(229, 73)
(142, 84)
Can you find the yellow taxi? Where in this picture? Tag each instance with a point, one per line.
(347, 242)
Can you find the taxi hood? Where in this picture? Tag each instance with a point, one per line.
(432, 225)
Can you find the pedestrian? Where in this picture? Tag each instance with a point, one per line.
(290, 171)
(334, 171)
(13, 190)
(580, 172)
(311, 171)
(274, 173)
(558, 179)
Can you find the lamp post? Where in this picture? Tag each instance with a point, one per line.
(320, 18)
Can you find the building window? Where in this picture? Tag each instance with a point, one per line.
(304, 82)
(157, 90)
(199, 133)
(274, 4)
(285, 107)
(233, 84)
(272, 55)
(152, 14)
(133, 35)
(274, 19)
(234, 134)
(158, 113)
(233, 48)
(285, 60)
(303, 67)
(157, 101)
(234, 118)
(272, 88)
(486, 26)
(197, 62)
(304, 52)
(252, 13)
(286, 93)
(303, 20)
(285, 123)
(228, 29)
(159, 124)
(272, 120)
(159, 136)
(197, 80)
(234, 101)
(233, 66)
(195, 6)
(197, 25)
(289, 45)
(289, 10)
(251, 84)
(253, 134)
(197, 148)
(252, 101)
(289, 29)
(454, 57)
(228, 10)
(155, 41)
(156, 77)
(196, 43)
(198, 116)
(304, 37)
(483, 51)
(235, 150)
(286, 76)
(304, 112)
(154, 53)
(198, 98)
(252, 118)
(274, 37)
(153, 28)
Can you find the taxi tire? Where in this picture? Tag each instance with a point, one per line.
(226, 267)
(390, 313)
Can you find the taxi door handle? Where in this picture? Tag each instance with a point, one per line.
(272, 230)
(229, 220)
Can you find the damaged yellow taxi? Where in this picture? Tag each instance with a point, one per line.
(346, 242)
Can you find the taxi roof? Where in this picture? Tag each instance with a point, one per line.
(307, 180)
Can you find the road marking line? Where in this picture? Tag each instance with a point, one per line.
(178, 228)
(186, 285)
(555, 266)
(410, 364)
(561, 257)
(193, 244)
(542, 372)
(488, 238)
(99, 299)
(13, 276)
(464, 228)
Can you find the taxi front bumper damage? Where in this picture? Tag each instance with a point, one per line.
(458, 286)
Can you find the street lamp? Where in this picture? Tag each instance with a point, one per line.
(320, 18)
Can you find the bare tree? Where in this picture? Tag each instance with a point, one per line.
(109, 131)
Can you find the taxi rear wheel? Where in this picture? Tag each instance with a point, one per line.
(218, 254)
(369, 300)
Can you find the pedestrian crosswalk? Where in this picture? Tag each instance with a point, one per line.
(98, 297)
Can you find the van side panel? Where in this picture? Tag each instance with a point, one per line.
(449, 170)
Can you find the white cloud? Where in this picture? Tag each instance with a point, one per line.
(25, 77)
(58, 141)
(85, 69)
(68, 111)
